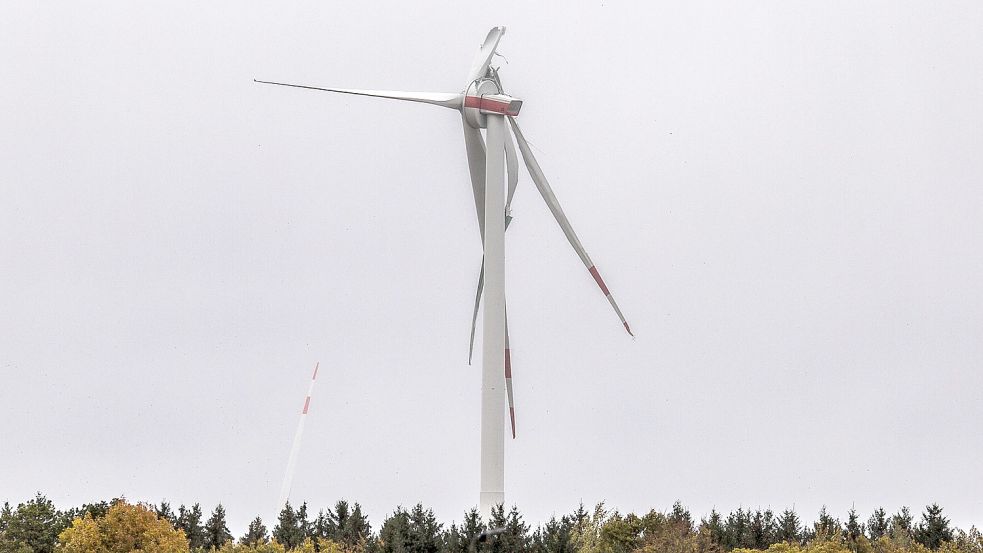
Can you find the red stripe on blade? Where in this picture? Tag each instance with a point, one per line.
(307, 403)
(508, 363)
(597, 278)
(316, 365)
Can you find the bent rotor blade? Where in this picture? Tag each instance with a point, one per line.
(512, 164)
(481, 60)
(444, 99)
(295, 449)
(476, 165)
(508, 373)
(554, 205)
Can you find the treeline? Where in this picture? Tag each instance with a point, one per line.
(37, 526)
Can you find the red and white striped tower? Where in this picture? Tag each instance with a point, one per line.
(295, 449)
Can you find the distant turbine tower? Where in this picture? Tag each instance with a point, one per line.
(295, 449)
(484, 105)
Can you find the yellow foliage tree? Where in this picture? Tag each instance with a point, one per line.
(123, 529)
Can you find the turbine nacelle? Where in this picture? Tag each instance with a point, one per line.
(484, 97)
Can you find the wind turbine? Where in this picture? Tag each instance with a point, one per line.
(484, 105)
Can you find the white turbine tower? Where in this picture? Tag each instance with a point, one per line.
(484, 105)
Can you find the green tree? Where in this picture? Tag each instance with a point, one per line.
(853, 530)
(877, 524)
(394, 533)
(789, 528)
(290, 530)
(255, 533)
(35, 524)
(763, 529)
(164, 512)
(189, 522)
(216, 530)
(827, 528)
(900, 527)
(712, 528)
(934, 528)
(424, 531)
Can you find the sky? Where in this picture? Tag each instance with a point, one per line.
(784, 197)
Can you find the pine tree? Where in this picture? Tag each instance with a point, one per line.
(934, 528)
(789, 528)
(516, 538)
(713, 528)
(164, 512)
(737, 530)
(256, 533)
(853, 530)
(289, 531)
(394, 533)
(877, 524)
(424, 531)
(827, 527)
(356, 531)
(216, 531)
(35, 524)
(189, 520)
(900, 527)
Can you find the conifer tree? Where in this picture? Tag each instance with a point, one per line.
(424, 531)
(713, 528)
(853, 530)
(934, 528)
(827, 527)
(216, 531)
(34, 524)
(164, 512)
(877, 524)
(288, 530)
(189, 520)
(394, 533)
(255, 534)
(789, 529)
(516, 538)
(900, 527)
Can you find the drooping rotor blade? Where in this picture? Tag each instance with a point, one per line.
(481, 60)
(508, 373)
(295, 449)
(444, 99)
(475, 146)
(547, 192)
(512, 164)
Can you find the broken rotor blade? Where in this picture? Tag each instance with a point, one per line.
(477, 297)
(554, 205)
(508, 373)
(475, 146)
(481, 60)
(512, 164)
(444, 99)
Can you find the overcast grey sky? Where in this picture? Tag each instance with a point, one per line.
(784, 197)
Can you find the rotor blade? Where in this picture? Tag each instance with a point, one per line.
(476, 165)
(481, 60)
(477, 302)
(508, 374)
(544, 189)
(512, 164)
(444, 99)
(295, 449)
(477, 297)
